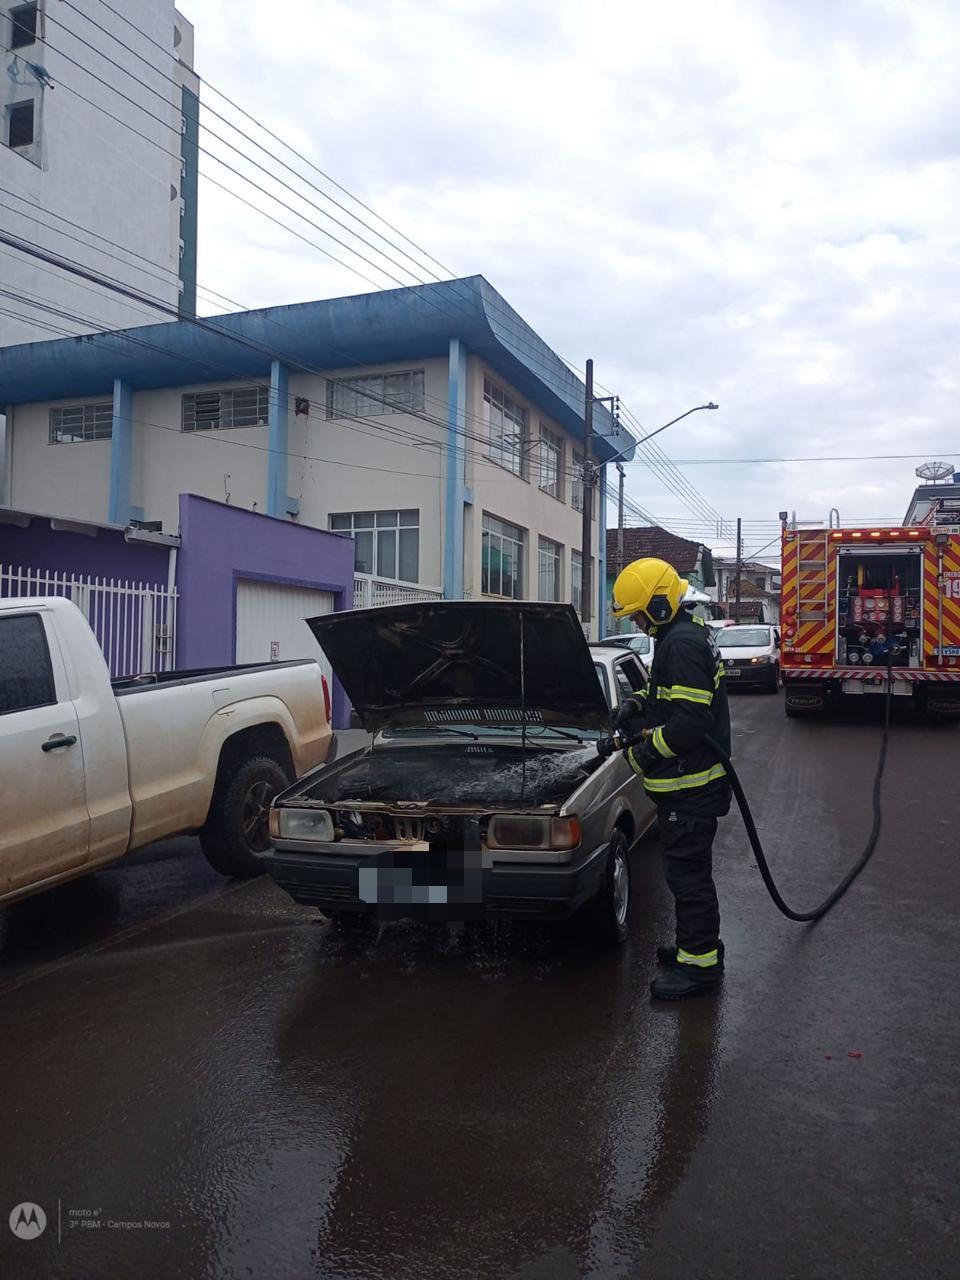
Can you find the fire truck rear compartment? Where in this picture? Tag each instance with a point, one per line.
(879, 597)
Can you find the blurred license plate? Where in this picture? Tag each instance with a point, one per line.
(733, 671)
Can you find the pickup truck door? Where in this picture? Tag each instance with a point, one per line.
(44, 824)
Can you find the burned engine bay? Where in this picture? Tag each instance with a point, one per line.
(466, 780)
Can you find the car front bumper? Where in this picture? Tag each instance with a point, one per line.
(375, 886)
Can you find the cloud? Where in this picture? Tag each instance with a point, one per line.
(751, 202)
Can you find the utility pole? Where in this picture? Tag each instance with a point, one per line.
(622, 474)
(587, 535)
(736, 612)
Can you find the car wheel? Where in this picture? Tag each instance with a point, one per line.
(774, 685)
(235, 835)
(611, 907)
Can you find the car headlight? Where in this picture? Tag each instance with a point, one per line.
(302, 824)
(764, 658)
(530, 831)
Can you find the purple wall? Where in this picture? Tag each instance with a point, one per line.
(221, 544)
(104, 556)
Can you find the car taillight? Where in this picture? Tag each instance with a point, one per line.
(326, 697)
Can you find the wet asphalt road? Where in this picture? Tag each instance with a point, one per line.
(284, 1101)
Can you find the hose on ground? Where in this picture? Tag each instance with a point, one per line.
(751, 827)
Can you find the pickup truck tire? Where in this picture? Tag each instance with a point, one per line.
(609, 913)
(235, 834)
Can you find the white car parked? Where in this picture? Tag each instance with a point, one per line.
(751, 655)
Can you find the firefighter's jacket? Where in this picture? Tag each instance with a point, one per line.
(686, 701)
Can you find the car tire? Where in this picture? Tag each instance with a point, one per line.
(235, 837)
(774, 685)
(610, 910)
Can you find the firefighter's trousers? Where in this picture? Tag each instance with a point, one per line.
(686, 843)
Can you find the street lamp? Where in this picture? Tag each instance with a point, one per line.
(590, 477)
(624, 452)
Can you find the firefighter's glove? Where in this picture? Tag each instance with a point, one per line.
(628, 717)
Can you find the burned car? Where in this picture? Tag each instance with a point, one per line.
(482, 794)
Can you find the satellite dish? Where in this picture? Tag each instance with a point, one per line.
(934, 471)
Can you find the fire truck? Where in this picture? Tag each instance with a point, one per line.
(861, 608)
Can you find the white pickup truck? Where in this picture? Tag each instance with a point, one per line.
(91, 770)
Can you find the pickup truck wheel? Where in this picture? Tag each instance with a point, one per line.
(235, 834)
(611, 907)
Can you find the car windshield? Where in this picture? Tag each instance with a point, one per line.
(743, 637)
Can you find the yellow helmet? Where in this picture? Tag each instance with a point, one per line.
(651, 587)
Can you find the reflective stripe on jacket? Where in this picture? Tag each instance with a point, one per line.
(686, 701)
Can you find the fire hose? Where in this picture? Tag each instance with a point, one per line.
(621, 742)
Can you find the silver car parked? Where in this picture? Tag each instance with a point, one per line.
(482, 793)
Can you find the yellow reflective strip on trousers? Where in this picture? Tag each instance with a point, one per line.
(705, 961)
(660, 742)
(686, 693)
(685, 782)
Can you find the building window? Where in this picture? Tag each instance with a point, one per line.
(502, 559)
(380, 393)
(551, 462)
(576, 496)
(20, 124)
(551, 575)
(506, 428)
(75, 422)
(576, 580)
(225, 410)
(23, 20)
(386, 543)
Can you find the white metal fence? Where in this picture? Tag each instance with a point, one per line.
(369, 591)
(134, 622)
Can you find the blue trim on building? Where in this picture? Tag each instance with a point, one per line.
(189, 183)
(386, 326)
(455, 464)
(601, 582)
(277, 458)
(121, 453)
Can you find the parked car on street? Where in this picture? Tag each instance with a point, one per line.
(751, 655)
(637, 642)
(91, 770)
(482, 793)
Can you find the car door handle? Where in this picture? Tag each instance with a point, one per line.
(57, 741)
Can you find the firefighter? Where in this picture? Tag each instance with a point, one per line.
(666, 724)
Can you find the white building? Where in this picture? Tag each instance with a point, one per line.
(759, 588)
(103, 176)
(431, 424)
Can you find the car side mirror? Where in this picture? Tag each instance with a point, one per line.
(776, 638)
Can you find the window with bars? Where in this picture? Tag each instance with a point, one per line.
(501, 571)
(551, 462)
(386, 543)
(551, 574)
(576, 492)
(506, 428)
(23, 25)
(376, 394)
(20, 130)
(225, 410)
(73, 423)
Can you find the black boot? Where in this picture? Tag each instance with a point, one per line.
(683, 981)
(667, 956)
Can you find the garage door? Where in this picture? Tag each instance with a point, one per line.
(270, 622)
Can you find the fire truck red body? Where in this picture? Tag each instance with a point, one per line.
(863, 606)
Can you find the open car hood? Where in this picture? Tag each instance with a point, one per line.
(442, 662)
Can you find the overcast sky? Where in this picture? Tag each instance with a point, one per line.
(750, 202)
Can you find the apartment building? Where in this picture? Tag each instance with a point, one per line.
(431, 425)
(99, 115)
